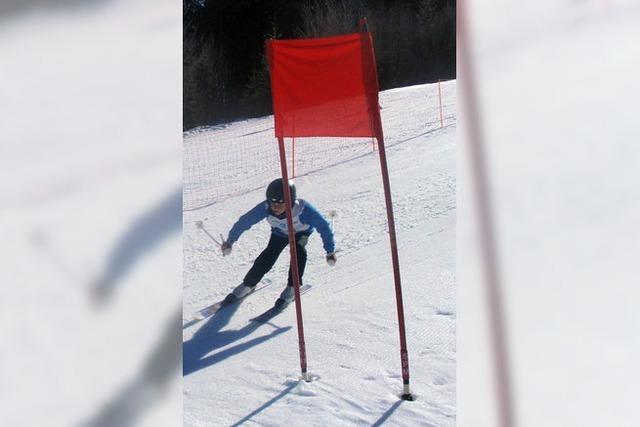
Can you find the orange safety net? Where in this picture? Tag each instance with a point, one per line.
(325, 87)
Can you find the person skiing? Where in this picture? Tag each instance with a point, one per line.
(305, 217)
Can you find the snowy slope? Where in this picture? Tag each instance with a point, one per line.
(236, 371)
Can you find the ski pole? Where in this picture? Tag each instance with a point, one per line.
(200, 225)
(332, 214)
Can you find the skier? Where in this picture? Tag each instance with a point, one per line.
(305, 219)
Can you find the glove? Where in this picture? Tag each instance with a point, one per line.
(331, 259)
(226, 248)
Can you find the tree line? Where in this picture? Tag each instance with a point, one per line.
(225, 72)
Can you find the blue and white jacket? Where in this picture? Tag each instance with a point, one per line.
(306, 218)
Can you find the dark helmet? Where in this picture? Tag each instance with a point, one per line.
(275, 193)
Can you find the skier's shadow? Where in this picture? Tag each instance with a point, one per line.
(211, 337)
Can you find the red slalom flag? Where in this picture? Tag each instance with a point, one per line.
(325, 87)
(328, 87)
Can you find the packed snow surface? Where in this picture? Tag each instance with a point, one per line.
(241, 372)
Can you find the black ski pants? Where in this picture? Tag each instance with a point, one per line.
(270, 254)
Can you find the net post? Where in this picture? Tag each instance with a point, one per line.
(363, 25)
(293, 157)
(440, 100)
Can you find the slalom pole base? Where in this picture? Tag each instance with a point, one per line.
(408, 396)
(308, 378)
(406, 393)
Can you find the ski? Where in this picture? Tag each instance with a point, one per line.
(275, 310)
(214, 308)
(208, 311)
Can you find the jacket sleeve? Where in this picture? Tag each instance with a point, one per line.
(246, 221)
(315, 219)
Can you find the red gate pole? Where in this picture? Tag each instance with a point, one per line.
(492, 276)
(404, 355)
(376, 127)
(294, 258)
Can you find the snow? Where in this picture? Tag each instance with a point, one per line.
(241, 372)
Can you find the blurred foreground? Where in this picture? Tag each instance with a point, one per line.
(90, 213)
(556, 92)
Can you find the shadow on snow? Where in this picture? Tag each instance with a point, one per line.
(210, 337)
(267, 404)
(387, 414)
